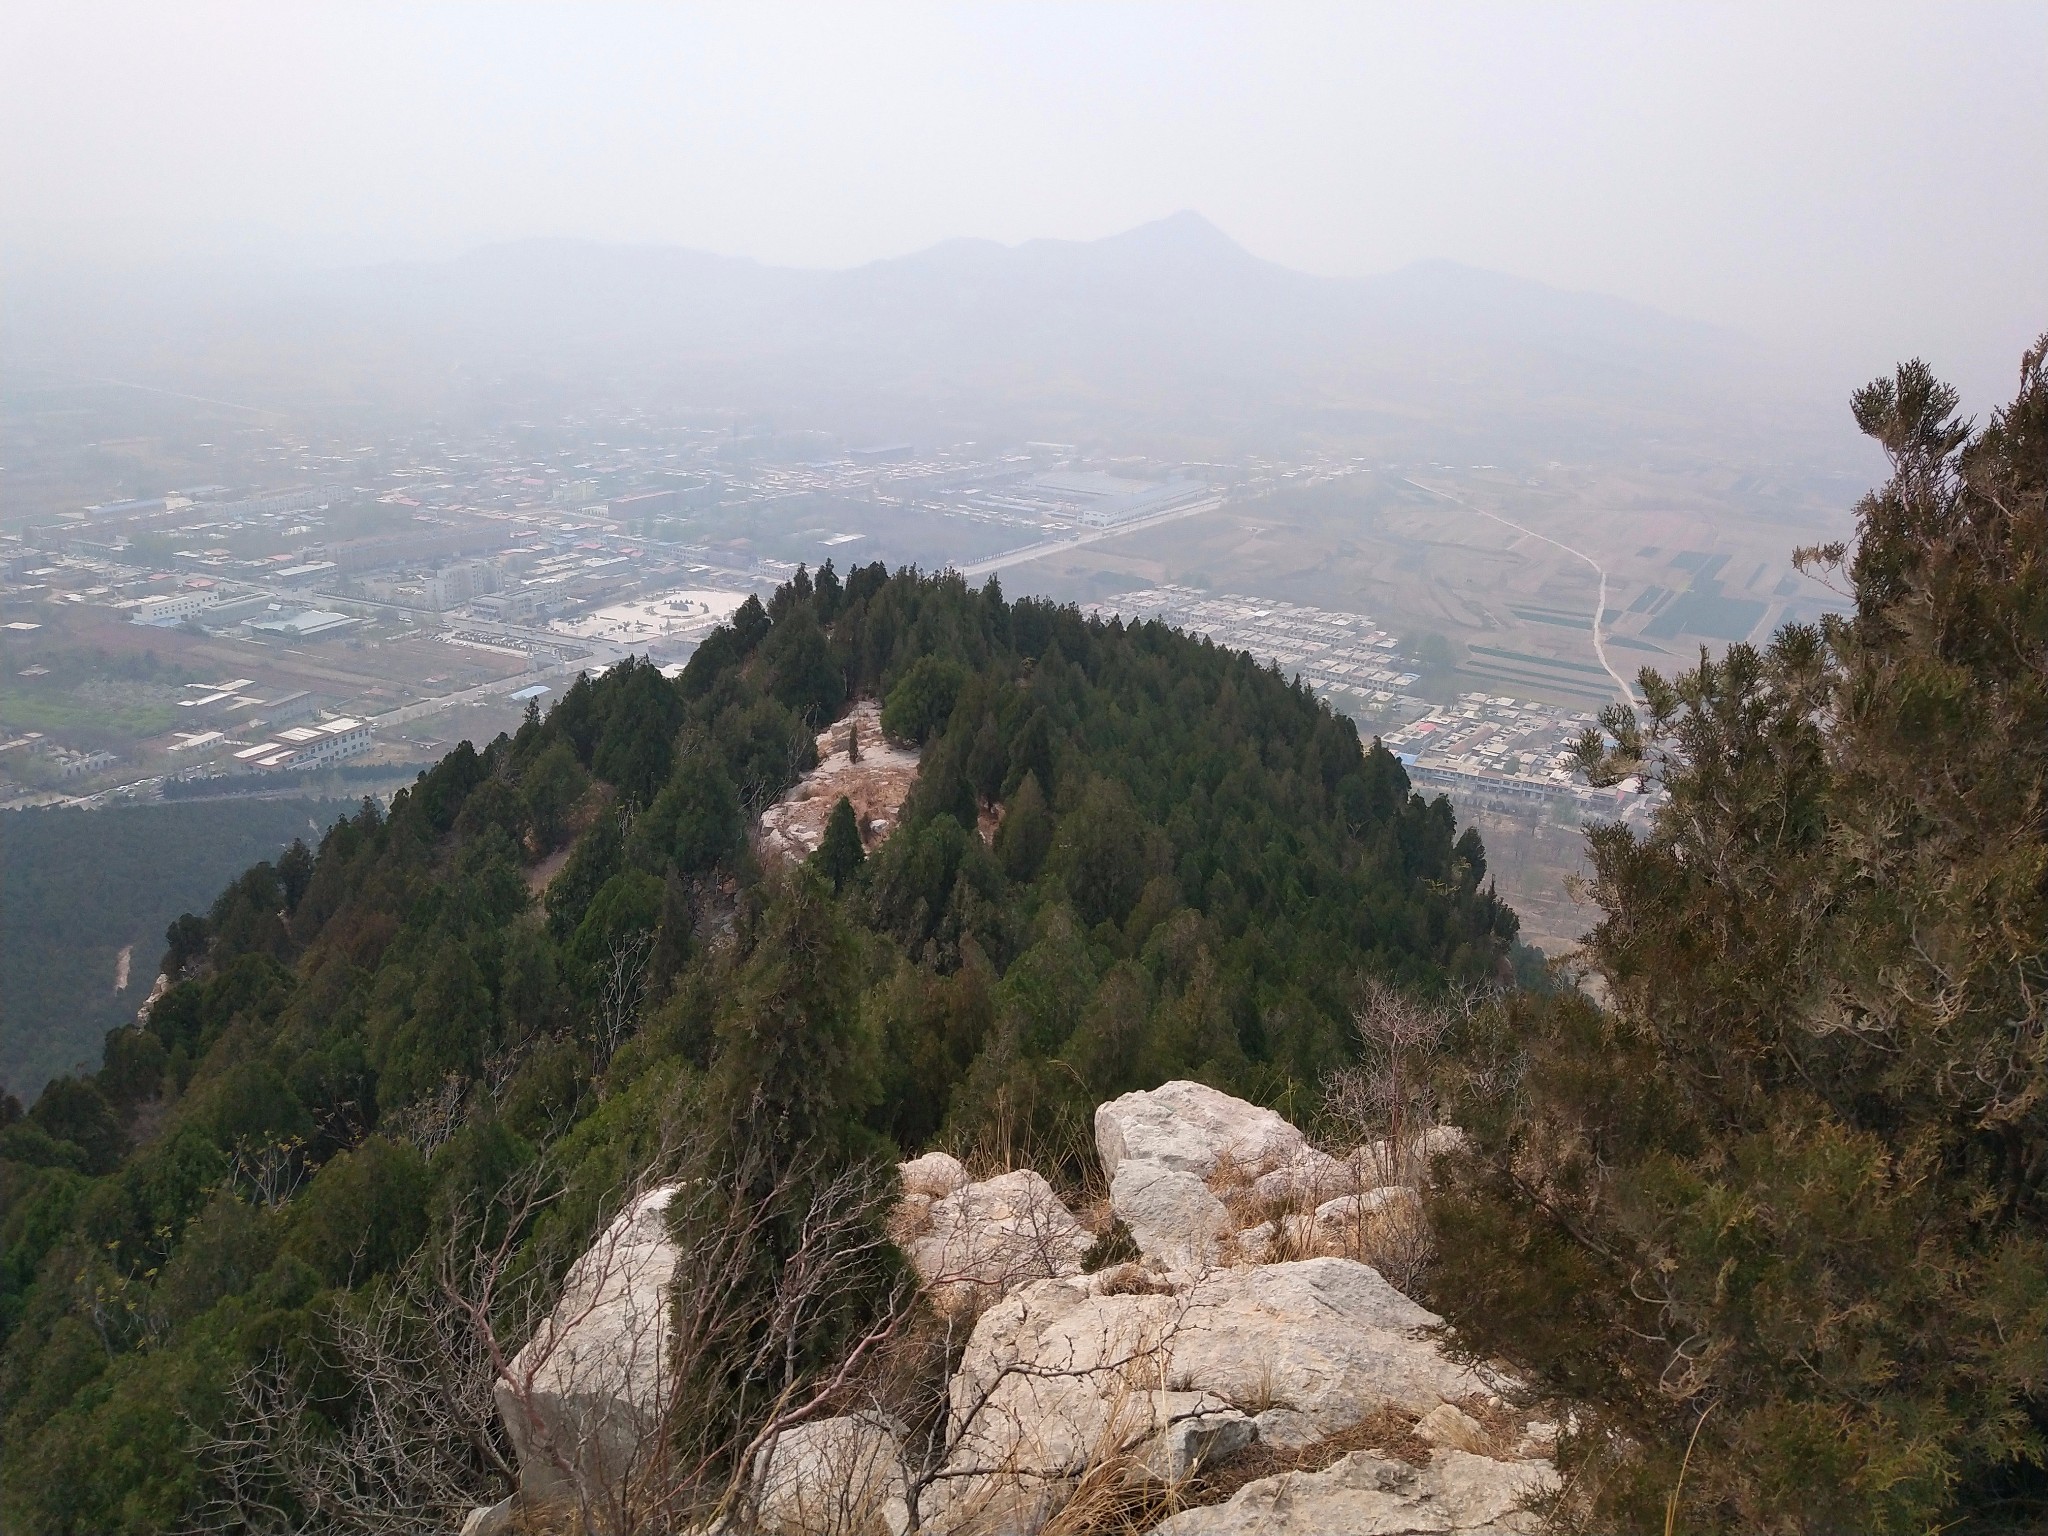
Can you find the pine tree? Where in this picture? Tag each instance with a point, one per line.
(1797, 1172)
(840, 855)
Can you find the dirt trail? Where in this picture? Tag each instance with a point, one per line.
(1622, 686)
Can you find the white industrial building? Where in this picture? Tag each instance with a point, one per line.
(309, 746)
(173, 608)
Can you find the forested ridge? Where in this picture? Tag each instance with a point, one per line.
(1764, 1226)
(1129, 856)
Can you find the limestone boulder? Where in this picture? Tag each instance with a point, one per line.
(935, 1175)
(833, 1477)
(989, 1237)
(1284, 1429)
(1023, 1448)
(1194, 1129)
(1065, 1370)
(1327, 1338)
(1173, 1216)
(925, 1181)
(1367, 1494)
(1309, 1178)
(1255, 1245)
(583, 1399)
(1184, 1446)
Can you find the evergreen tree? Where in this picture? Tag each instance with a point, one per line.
(1790, 1192)
(840, 855)
(795, 1065)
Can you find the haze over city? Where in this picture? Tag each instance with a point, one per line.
(1521, 335)
(1829, 176)
(1031, 769)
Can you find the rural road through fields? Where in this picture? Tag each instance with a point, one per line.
(1626, 693)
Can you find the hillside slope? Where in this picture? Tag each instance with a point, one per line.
(1192, 862)
(77, 888)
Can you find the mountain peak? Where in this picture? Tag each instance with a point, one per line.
(1185, 231)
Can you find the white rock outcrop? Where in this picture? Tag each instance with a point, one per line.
(1186, 1445)
(1192, 1128)
(990, 1237)
(1366, 1492)
(584, 1397)
(1065, 1371)
(832, 1477)
(935, 1175)
(1309, 1178)
(1151, 1370)
(1172, 1215)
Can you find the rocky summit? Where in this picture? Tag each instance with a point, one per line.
(1247, 1370)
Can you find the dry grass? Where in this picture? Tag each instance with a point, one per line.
(1504, 1425)
(1013, 1135)
(1095, 1216)
(1114, 1498)
(1133, 1280)
(909, 1219)
(1395, 1240)
(1386, 1430)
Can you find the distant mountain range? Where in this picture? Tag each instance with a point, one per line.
(1170, 336)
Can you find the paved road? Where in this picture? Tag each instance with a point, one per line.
(1626, 693)
(496, 687)
(1030, 552)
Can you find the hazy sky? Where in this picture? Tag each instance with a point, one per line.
(1864, 181)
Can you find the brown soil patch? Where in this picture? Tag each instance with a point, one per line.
(877, 785)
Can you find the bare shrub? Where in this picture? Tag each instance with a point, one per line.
(1381, 1112)
(782, 1292)
(1387, 1100)
(424, 1436)
(624, 989)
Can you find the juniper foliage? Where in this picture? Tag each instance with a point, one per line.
(1789, 1190)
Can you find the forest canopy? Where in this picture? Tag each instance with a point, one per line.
(1129, 856)
(1781, 1208)
(1765, 1204)
(81, 886)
